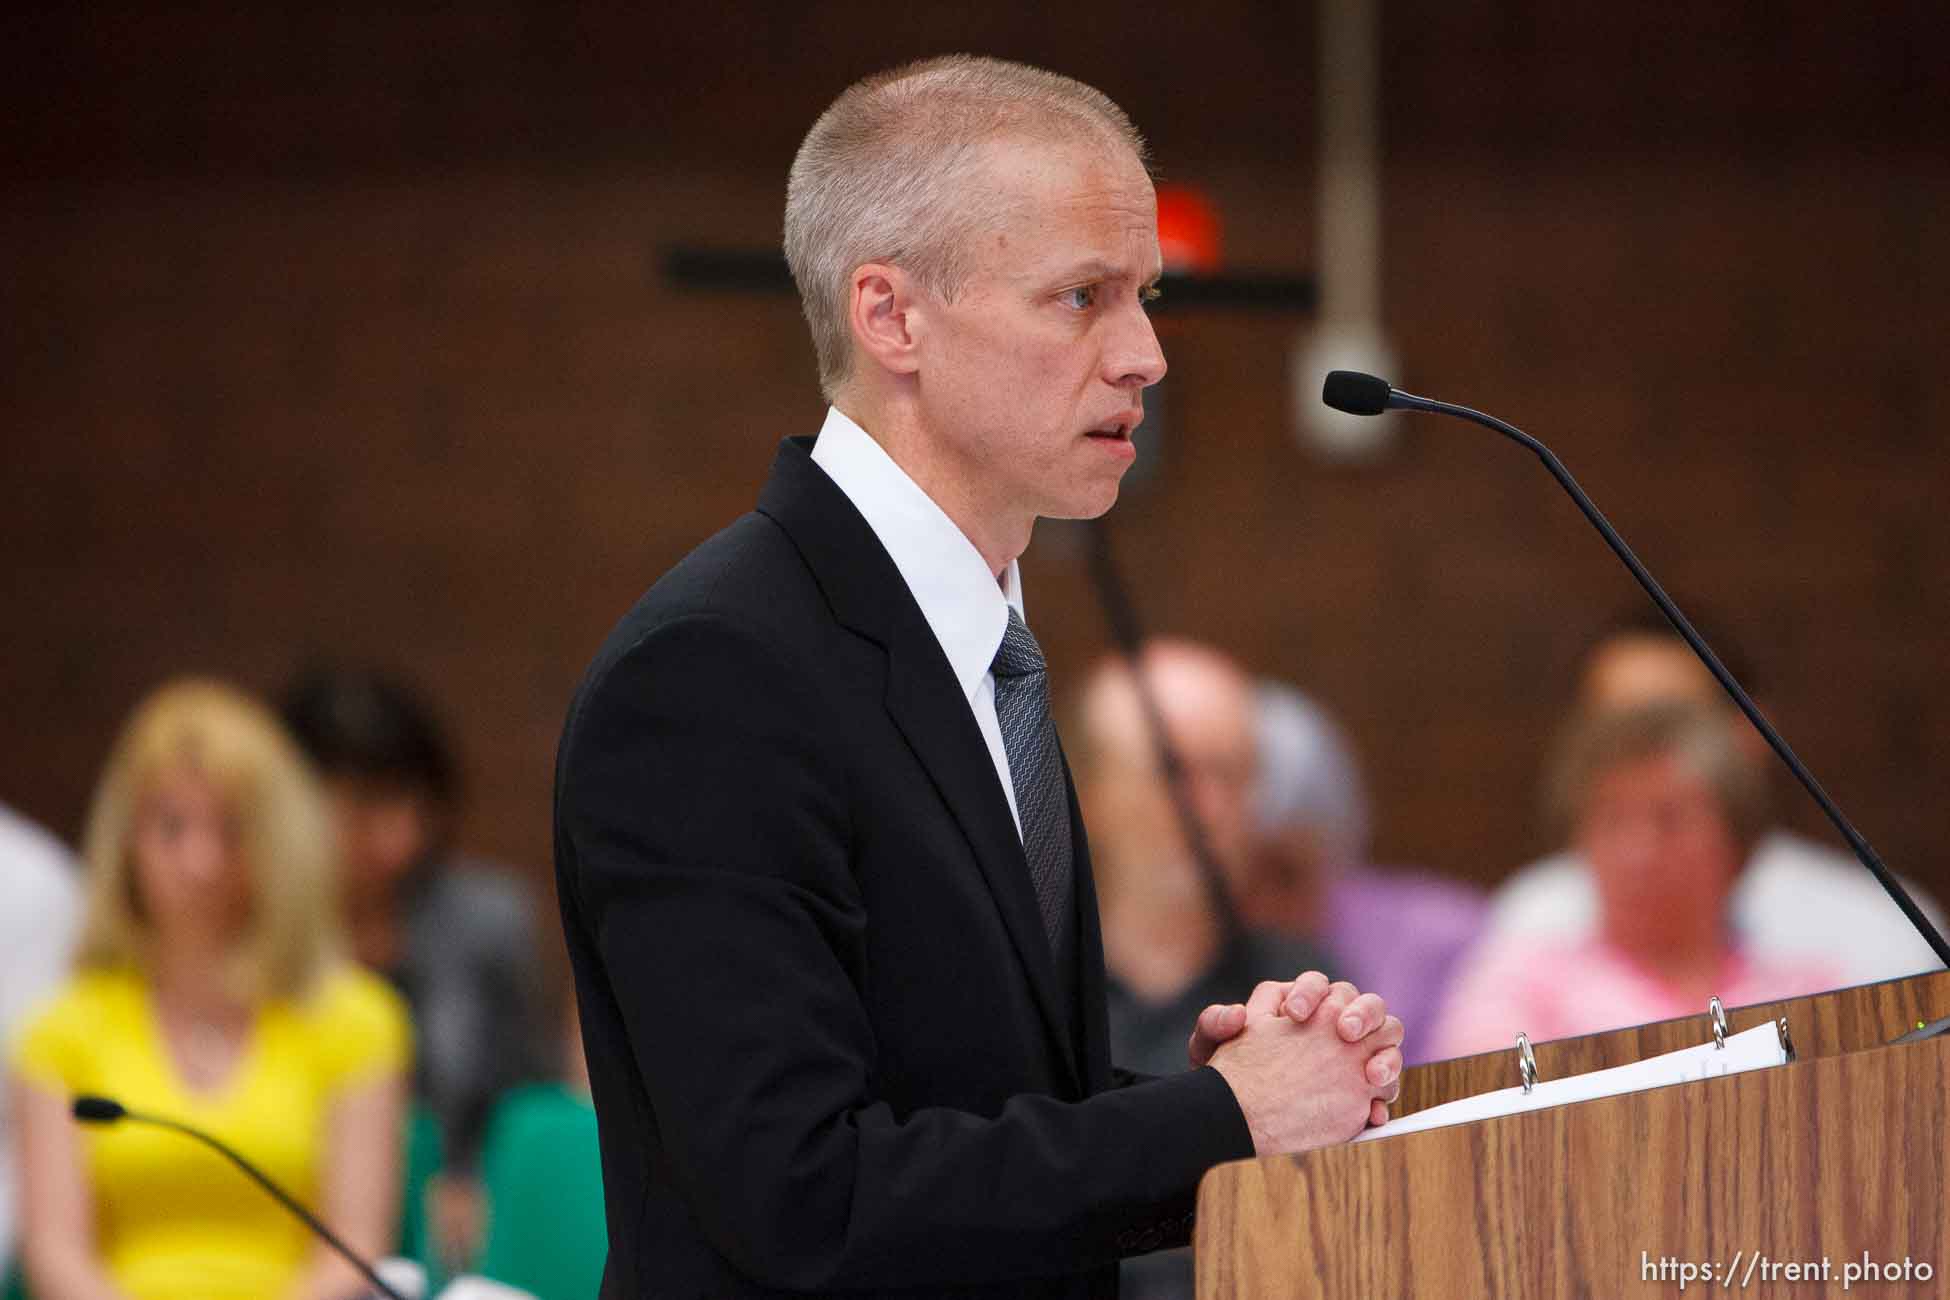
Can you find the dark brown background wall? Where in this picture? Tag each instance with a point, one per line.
(343, 333)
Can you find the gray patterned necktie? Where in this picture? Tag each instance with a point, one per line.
(1036, 771)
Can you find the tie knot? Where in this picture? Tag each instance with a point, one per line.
(1018, 655)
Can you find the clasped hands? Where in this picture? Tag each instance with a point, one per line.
(1311, 1061)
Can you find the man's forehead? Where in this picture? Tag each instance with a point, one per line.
(1071, 208)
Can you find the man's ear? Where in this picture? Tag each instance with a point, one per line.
(883, 314)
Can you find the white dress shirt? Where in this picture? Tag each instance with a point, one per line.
(967, 609)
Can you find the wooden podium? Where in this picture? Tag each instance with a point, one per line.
(1840, 1157)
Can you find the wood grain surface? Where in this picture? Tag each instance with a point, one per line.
(1841, 1153)
(1825, 1024)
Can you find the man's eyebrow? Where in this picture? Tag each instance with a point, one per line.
(1094, 269)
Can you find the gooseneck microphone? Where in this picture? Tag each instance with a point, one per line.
(1359, 394)
(106, 1110)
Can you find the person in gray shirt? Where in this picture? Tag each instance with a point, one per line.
(1172, 946)
(455, 935)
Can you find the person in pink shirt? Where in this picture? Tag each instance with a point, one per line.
(1666, 808)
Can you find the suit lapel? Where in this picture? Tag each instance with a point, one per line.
(925, 702)
(1093, 1007)
(932, 714)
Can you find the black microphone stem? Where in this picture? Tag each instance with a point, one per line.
(278, 1193)
(1867, 855)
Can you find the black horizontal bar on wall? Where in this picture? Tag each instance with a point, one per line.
(732, 270)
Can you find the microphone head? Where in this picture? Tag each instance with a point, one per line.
(1355, 393)
(97, 1110)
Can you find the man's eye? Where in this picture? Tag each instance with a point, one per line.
(1080, 298)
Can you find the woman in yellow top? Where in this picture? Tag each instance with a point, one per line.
(208, 989)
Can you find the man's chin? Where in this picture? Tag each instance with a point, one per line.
(1094, 506)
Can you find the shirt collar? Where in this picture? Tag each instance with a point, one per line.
(964, 606)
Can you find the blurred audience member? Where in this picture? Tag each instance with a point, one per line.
(1398, 932)
(40, 900)
(455, 935)
(208, 988)
(1664, 806)
(543, 1169)
(1795, 895)
(1169, 949)
(1165, 942)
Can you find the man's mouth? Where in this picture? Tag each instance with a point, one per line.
(1118, 429)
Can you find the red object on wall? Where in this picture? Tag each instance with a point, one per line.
(1188, 229)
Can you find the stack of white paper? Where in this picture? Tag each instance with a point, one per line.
(1750, 1049)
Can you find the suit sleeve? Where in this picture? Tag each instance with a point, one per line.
(704, 799)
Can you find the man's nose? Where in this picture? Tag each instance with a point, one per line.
(1136, 358)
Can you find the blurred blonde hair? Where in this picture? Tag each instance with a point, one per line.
(285, 838)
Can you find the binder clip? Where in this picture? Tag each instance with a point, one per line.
(1719, 1015)
(1526, 1063)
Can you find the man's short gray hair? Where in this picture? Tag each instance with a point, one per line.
(885, 176)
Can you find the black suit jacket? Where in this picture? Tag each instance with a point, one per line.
(823, 1024)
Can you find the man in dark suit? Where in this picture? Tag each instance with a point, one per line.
(825, 888)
